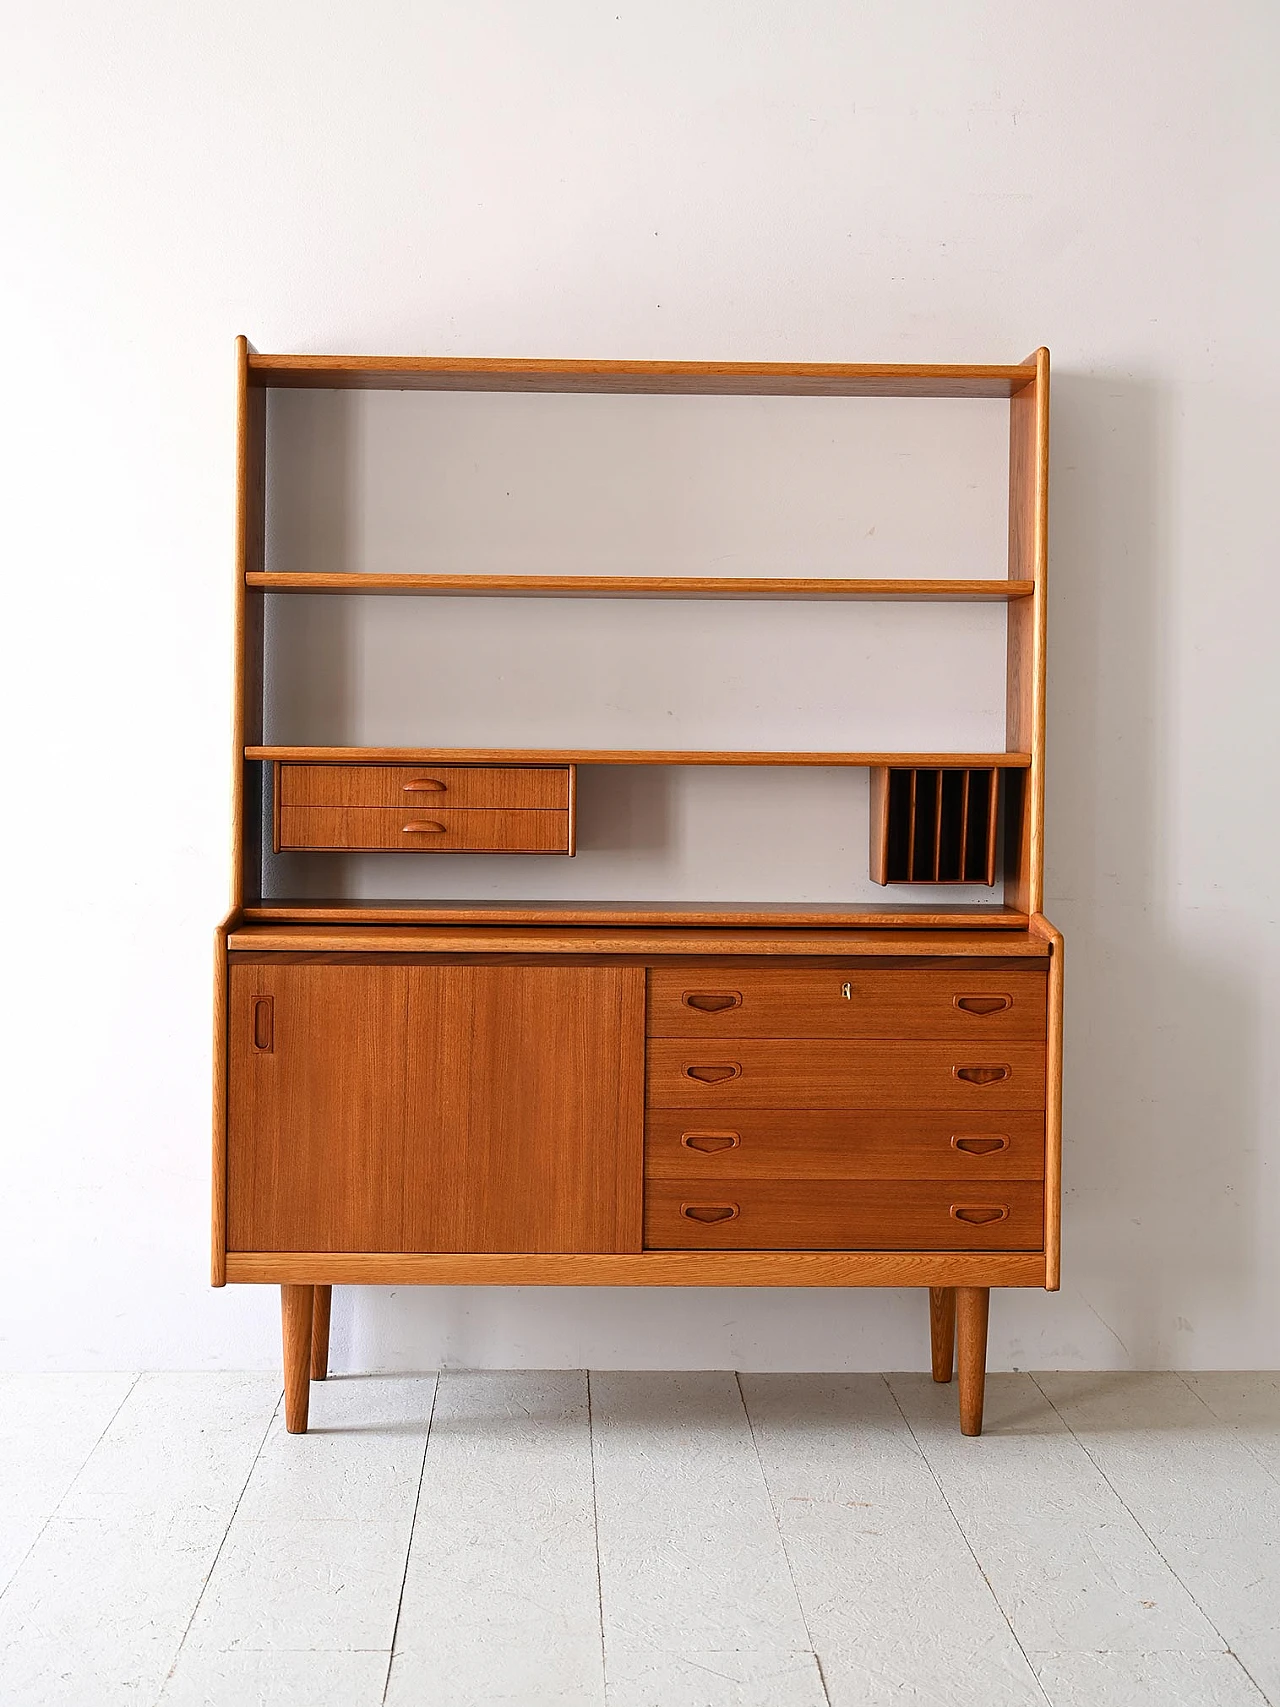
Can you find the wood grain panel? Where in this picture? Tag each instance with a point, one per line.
(757, 1073)
(317, 1058)
(755, 1143)
(705, 379)
(841, 1001)
(648, 1268)
(850, 1214)
(425, 786)
(625, 756)
(423, 829)
(641, 586)
(1025, 672)
(655, 941)
(523, 1110)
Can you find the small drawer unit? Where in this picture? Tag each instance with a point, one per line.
(981, 1007)
(424, 809)
(835, 1215)
(803, 1144)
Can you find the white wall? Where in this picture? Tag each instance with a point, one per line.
(887, 181)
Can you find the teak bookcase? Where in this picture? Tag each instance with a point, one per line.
(639, 1094)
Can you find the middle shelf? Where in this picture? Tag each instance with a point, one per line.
(629, 756)
(644, 586)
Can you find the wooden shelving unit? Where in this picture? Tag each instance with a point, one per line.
(428, 1091)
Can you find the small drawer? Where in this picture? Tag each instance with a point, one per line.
(415, 830)
(980, 1007)
(766, 1143)
(842, 1215)
(545, 789)
(751, 1072)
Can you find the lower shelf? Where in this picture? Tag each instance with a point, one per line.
(643, 1268)
(886, 915)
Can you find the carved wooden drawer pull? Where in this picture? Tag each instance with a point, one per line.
(708, 1142)
(978, 1214)
(424, 785)
(981, 1144)
(982, 1075)
(709, 1211)
(713, 1075)
(425, 828)
(264, 1025)
(712, 1002)
(981, 1005)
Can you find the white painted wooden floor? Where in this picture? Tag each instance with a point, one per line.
(685, 1540)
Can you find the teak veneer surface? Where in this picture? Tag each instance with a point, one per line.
(547, 939)
(750, 1072)
(942, 589)
(423, 828)
(648, 1268)
(777, 1144)
(781, 1215)
(639, 378)
(422, 787)
(820, 1002)
(456, 1108)
(627, 756)
(882, 915)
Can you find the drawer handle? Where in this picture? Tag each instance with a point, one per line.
(983, 1005)
(264, 1024)
(713, 1075)
(984, 1144)
(982, 1075)
(710, 1141)
(709, 1211)
(423, 785)
(425, 828)
(708, 1002)
(978, 1214)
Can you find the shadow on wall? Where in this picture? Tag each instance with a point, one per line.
(1162, 1045)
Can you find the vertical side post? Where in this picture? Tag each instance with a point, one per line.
(1025, 675)
(250, 610)
(1053, 1108)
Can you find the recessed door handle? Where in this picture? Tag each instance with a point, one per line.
(981, 1144)
(709, 1142)
(712, 1002)
(426, 828)
(264, 1024)
(713, 1075)
(982, 1075)
(709, 1211)
(978, 1214)
(423, 785)
(983, 1005)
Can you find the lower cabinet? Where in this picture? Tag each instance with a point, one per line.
(383, 1107)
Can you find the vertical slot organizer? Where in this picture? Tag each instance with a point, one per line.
(934, 826)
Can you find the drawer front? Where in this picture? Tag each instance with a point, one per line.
(842, 1215)
(978, 1007)
(817, 1074)
(755, 1144)
(422, 787)
(413, 830)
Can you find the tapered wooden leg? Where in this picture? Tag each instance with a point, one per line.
(320, 1332)
(972, 1305)
(296, 1304)
(942, 1330)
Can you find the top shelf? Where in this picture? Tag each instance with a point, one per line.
(642, 586)
(733, 379)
